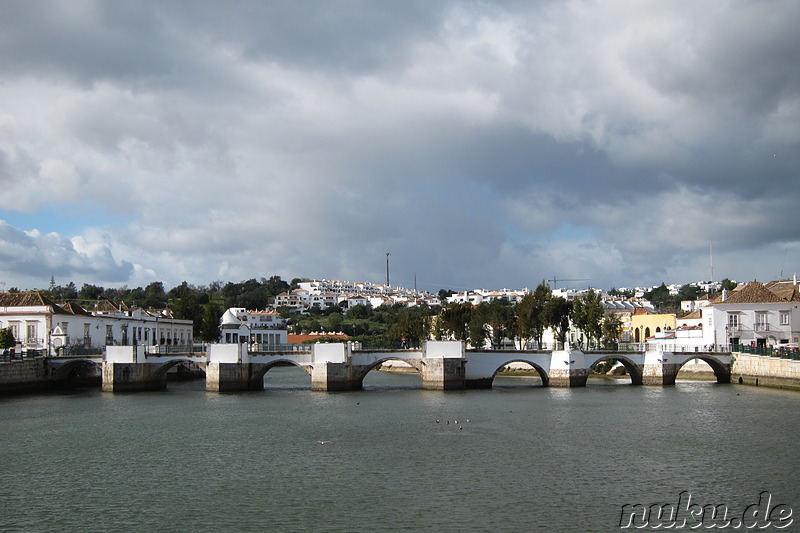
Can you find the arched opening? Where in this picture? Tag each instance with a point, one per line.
(519, 373)
(704, 368)
(646, 334)
(391, 373)
(79, 373)
(283, 375)
(636, 335)
(183, 374)
(186, 371)
(615, 370)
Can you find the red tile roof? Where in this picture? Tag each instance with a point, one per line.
(751, 293)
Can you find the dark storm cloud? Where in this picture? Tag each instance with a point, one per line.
(480, 142)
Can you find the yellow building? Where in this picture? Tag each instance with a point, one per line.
(647, 325)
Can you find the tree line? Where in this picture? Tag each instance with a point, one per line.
(493, 323)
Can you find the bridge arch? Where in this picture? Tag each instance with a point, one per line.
(161, 372)
(77, 371)
(722, 371)
(538, 368)
(259, 370)
(362, 371)
(634, 369)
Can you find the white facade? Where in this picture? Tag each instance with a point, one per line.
(752, 315)
(326, 293)
(39, 324)
(239, 325)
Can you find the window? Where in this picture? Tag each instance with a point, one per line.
(31, 332)
(733, 322)
(762, 321)
(786, 317)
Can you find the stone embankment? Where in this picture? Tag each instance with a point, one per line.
(24, 376)
(763, 370)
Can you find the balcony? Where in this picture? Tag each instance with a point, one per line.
(761, 327)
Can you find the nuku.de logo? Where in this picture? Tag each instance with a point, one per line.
(685, 514)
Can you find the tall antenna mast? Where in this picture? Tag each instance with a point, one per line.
(711, 258)
(387, 269)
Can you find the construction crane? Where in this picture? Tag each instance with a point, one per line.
(556, 280)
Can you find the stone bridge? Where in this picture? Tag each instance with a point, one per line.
(442, 365)
(447, 366)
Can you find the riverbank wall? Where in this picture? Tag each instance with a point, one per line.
(765, 371)
(24, 376)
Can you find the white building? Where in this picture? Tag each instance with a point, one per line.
(239, 325)
(327, 293)
(754, 314)
(40, 324)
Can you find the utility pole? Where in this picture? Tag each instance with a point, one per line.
(387, 269)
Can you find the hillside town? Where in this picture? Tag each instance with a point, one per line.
(753, 314)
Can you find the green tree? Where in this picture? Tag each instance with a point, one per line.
(7, 339)
(454, 321)
(663, 301)
(612, 330)
(557, 315)
(530, 313)
(209, 324)
(335, 322)
(185, 306)
(689, 292)
(729, 285)
(501, 319)
(154, 296)
(587, 314)
(478, 326)
(70, 291)
(90, 292)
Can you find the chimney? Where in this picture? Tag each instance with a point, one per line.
(794, 279)
(724, 294)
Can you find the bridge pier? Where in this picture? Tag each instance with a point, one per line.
(442, 366)
(568, 369)
(659, 368)
(133, 377)
(327, 376)
(568, 377)
(442, 373)
(232, 377)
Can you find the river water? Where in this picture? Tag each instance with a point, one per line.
(519, 458)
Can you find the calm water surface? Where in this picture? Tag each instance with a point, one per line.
(520, 458)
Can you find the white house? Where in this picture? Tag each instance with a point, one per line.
(754, 314)
(40, 324)
(239, 325)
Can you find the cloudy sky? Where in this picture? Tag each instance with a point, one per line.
(484, 144)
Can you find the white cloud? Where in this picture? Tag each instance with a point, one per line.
(485, 142)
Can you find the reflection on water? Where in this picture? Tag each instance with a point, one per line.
(518, 457)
